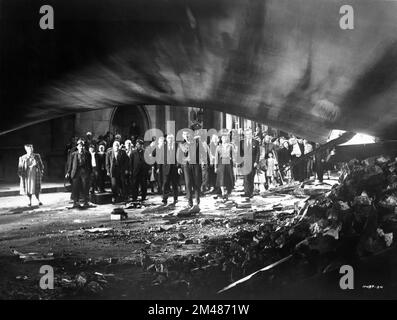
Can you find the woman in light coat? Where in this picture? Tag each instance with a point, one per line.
(30, 172)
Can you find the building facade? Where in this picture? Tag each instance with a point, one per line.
(51, 137)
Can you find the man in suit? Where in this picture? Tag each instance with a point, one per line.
(140, 171)
(79, 170)
(128, 148)
(117, 169)
(250, 148)
(296, 153)
(188, 156)
(101, 167)
(169, 170)
(319, 163)
(94, 172)
(158, 168)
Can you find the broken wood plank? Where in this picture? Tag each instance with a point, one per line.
(254, 273)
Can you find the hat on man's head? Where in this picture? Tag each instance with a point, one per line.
(140, 141)
(224, 132)
(80, 141)
(195, 126)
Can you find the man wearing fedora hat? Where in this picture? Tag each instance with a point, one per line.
(79, 171)
(189, 158)
(140, 171)
(250, 150)
(117, 169)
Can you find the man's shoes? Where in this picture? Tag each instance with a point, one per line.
(40, 203)
(75, 205)
(195, 209)
(175, 201)
(164, 202)
(86, 205)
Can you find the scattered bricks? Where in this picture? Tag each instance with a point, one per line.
(343, 206)
(391, 201)
(362, 200)
(244, 205)
(81, 279)
(388, 239)
(204, 222)
(156, 229)
(94, 287)
(118, 214)
(250, 215)
(181, 236)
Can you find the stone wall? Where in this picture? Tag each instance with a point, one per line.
(98, 122)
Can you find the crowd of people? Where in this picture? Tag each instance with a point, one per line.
(202, 164)
(93, 162)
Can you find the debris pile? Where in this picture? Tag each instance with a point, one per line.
(361, 210)
(355, 219)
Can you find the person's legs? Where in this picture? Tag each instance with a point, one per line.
(113, 181)
(320, 172)
(123, 186)
(224, 192)
(211, 177)
(205, 178)
(250, 182)
(166, 188)
(159, 181)
(76, 189)
(266, 182)
(270, 181)
(174, 183)
(188, 183)
(30, 199)
(143, 183)
(120, 187)
(197, 174)
(246, 185)
(37, 195)
(85, 186)
(92, 181)
(101, 181)
(309, 168)
(135, 187)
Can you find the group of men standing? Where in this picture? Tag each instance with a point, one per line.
(125, 167)
(128, 168)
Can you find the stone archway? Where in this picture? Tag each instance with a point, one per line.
(122, 118)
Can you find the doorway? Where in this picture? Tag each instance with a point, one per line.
(123, 118)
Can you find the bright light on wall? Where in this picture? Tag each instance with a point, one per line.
(359, 138)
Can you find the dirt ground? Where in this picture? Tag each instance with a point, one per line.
(154, 254)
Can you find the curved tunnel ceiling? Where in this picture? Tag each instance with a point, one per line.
(286, 63)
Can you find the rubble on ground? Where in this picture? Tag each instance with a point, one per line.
(320, 231)
(355, 219)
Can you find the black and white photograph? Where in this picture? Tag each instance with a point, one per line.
(224, 151)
